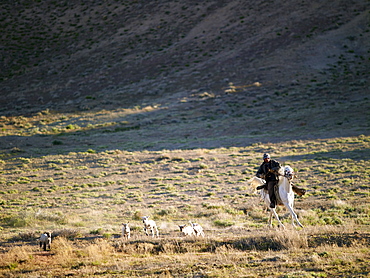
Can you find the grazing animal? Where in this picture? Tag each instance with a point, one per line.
(284, 194)
(187, 230)
(126, 232)
(45, 240)
(198, 230)
(151, 225)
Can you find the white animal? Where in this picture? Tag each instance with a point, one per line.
(151, 225)
(286, 194)
(45, 240)
(187, 230)
(198, 230)
(126, 232)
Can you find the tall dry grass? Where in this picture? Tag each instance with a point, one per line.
(271, 250)
(16, 256)
(64, 251)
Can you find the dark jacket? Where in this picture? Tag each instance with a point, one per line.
(263, 170)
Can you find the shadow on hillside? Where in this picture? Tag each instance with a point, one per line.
(358, 154)
(195, 124)
(111, 139)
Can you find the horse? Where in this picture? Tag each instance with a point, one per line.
(284, 194)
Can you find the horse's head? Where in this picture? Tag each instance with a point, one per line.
(288, 172)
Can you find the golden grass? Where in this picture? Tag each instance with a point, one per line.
(179, 257)
(86, 206)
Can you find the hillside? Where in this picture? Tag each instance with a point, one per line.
(259, 71)
(112, 110)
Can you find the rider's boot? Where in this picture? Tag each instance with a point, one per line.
(273, 202)
(271, 190)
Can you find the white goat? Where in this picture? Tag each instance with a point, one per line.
(45, 240)
(126, 232)
(187, 230)
(150, 224)
(198, 230)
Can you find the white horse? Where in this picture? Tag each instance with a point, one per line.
(286, 194)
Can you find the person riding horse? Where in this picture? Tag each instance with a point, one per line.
(269, 172)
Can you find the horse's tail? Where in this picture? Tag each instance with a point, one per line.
(254, 182)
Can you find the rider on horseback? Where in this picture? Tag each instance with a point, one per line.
(269, 172)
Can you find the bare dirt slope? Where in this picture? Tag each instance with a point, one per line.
(243, 66)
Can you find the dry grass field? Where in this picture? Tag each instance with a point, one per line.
(117, 110)
(83, 197)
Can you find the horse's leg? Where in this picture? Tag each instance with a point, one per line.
(273, 210)
(294, 215)
(293, 223)
(270, 219)
(265, 197)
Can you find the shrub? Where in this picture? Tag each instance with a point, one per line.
(223, 223)
(57, 142)
(96, 232)
(68, 233)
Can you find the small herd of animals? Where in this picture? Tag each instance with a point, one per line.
(194, 229)
(284, 194)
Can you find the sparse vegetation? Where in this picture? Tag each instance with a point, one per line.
(76, 206)
(113, 111)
